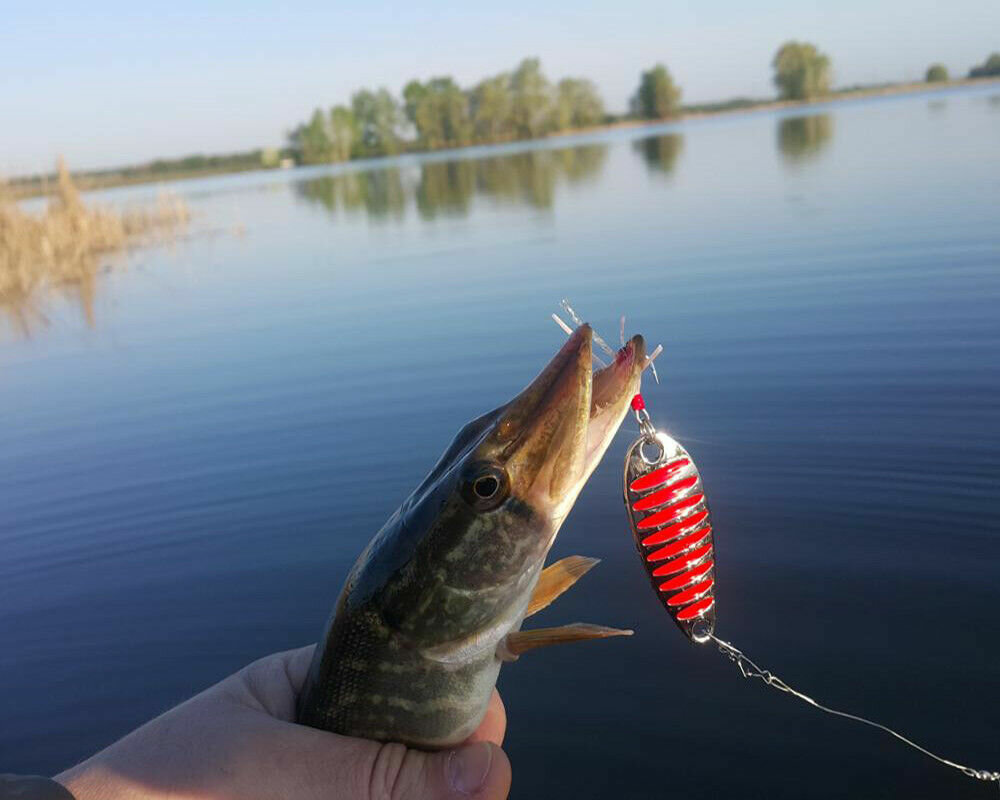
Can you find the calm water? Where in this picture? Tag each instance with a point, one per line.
(186, 478)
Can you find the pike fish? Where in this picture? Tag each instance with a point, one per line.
(434, 604)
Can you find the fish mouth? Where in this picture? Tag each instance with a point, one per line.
(612, 389)
(552, 436)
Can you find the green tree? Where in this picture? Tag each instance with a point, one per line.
(343, 133)
(311, 140)
(657, 97)
(379, 119)
(491, 105)
(439, 110)
(578, 105)
(532, 104)
(801, 71)
(936, 73)
(989, 68)
(326, 137)
(413, 95)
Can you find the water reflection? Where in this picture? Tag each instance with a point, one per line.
(58, 251)
(23, 312)
(27, 308)
(803, 138)
(448, 187)
(660, 152)
(378, 192)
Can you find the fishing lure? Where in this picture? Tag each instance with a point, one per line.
(669, 517)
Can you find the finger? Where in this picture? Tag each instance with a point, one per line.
(479, 770)
(297, 663)
(272, 683)
(494, 724)
(318, 764)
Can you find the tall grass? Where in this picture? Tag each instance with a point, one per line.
(61, 247)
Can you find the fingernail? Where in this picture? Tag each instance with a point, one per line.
(468, 767)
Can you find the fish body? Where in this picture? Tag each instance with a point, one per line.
(435, 602)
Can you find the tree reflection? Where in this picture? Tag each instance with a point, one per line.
(660, 152)
(802, 138)
(448, 187)
(377, 192)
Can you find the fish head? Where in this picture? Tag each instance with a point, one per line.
(462, 554)
(540, 448)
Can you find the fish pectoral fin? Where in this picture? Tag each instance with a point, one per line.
(557, 578)
(518, 642)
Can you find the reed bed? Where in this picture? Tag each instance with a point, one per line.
(62, 247)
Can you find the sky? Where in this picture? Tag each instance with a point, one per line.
(112, 83)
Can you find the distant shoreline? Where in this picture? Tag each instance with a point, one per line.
(750, 106)
(25, 187)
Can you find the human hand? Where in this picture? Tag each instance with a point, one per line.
(237, 740)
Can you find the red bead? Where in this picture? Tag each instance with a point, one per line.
(638, 404)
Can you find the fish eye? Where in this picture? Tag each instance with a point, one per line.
(486, 486)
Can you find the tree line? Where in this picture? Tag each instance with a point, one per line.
(519, 104)
(990, 68)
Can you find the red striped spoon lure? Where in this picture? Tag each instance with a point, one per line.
(669, 517)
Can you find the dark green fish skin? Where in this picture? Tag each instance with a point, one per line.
(409, 653)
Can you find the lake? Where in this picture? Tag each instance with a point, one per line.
(197, 447)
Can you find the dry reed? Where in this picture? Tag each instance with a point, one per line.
(60, 248)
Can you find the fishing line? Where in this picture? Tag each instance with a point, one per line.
(750, 670)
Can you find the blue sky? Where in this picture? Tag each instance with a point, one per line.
(108, 83)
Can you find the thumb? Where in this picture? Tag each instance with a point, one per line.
(480, 770)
